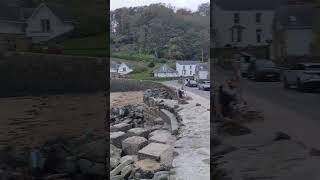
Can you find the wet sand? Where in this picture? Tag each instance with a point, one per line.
(25, 121)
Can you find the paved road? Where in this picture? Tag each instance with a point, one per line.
(205, 94)
(306, 104)
(289, 111)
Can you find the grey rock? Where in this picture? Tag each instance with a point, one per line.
(114, 156)
(154, 151)
(120, 127)
(161, 175)
(133, 144)
(88, 167)
(116, 138)
(94, 151)
(120, 167)
(138, 132)
(133, 158)
(147, 167)
(125, 172)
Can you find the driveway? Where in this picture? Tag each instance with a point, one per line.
(204, 94)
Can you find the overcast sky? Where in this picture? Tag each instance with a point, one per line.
(189, 4)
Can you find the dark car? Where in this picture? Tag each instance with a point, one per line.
(263, 70)
(192, 83)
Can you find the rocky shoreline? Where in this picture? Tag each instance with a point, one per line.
(142, 138)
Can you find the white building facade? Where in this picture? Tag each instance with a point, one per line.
(186, 68)
(242, 23)
(165, 71)
(125, 68)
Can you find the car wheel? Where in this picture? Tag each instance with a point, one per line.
(285, 83)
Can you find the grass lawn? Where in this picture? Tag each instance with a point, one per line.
(87, 46)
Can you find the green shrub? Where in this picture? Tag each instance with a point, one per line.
(151, 64)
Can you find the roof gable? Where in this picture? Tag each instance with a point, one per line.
(58, 10)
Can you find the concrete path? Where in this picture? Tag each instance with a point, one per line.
(193, 146)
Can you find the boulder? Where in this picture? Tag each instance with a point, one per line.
(116, 138)
(163, 137)
(133, 158)
(138, 132)
(124, 127)
(94, 151)
(120, 167)
(161, 175)
(153, 151)
(158, 121)
(125, 172)
(147, 167)
(114, 156)
(133, 144)
(88, 167)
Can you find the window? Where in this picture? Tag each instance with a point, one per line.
(184, 72)
(190, 67)
(236, 18)
(258, 17)
(190, 72)
(232, 35)
(124, 69)
(258, 35)
(184, 67)
(45, 25)
(239, 35)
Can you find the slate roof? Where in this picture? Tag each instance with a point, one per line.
(301, 16)
(245, 5)
(60, 11)
(165, 69)
(129, 65)
(187, 62)
(202, 67)
(114, 65)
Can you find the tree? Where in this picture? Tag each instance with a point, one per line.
(204, 9)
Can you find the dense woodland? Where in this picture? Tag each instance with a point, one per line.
(161, 31)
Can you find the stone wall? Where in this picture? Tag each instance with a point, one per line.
(123, 85)
(29, 73)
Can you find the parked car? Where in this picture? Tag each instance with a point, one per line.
(245, 60)
(305, 76)
(263, 70)
(205, 86)
(192, 83)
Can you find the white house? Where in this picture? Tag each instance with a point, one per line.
(114, 67)
(294, 30)
(186, 68)
(242, 23)
(202, 72)
(125, 68)
(43, 23)
(165, 71)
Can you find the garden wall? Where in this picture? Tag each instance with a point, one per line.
(30, 73)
